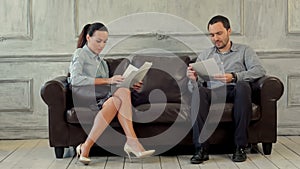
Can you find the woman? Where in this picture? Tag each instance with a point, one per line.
(88, 68)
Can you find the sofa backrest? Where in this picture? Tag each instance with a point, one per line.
(117, 66)
(167, 75)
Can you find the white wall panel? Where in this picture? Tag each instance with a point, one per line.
(16, 95)
(294, 16)
(15, 19)
(293, 93)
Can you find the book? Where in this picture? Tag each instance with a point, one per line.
(133, 74)
(206, 69)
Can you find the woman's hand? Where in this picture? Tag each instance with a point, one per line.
(116, 79)
(191, 74)
(137, 86)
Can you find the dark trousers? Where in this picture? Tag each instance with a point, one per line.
(239, 95)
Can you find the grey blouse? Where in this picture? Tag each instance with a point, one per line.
(86, 66)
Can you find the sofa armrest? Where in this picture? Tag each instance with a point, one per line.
(268, 91)
(270, 87)
(55, 93)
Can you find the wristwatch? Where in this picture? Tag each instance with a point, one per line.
(234, 79)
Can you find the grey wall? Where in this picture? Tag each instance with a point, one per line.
(37, 38)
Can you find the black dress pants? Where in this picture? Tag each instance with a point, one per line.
(238, 94)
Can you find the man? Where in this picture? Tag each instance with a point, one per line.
(240, 65)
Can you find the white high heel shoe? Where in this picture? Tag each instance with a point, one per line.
(141, 154)
(83, 160)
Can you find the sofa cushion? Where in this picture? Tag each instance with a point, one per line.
(156, 113)
(164, 97)
(161, 113)
(167, 75)
(228, 109)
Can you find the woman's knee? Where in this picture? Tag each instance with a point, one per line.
(113, 101)
(122, 93)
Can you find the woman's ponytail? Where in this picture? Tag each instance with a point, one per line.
(82, 37)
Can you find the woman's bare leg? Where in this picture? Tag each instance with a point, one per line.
(125, 118)
(101, 121)
(120, 102)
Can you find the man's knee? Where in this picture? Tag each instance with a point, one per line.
(243, 86)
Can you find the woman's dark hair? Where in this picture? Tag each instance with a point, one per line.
(89, 29)
(219, 18)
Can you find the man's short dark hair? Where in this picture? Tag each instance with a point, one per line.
(219, 18)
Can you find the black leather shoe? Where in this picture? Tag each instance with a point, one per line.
(200, 155)
(239, 155)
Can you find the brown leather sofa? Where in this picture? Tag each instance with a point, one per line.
(161, 111)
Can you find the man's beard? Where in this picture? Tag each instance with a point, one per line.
(223, 45)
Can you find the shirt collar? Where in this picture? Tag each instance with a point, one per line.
(233, 48)
(90, 53)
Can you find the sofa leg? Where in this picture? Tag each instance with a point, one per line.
(267, 148)
(59, 152)
(254, 148)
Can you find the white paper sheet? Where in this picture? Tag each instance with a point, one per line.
(206, 68)
(133, 74)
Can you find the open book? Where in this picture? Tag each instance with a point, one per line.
(206, 68)
(133, 74)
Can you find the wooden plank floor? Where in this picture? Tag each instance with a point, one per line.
(36, 154)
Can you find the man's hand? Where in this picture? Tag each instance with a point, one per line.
(226, 78)
(191, 74)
